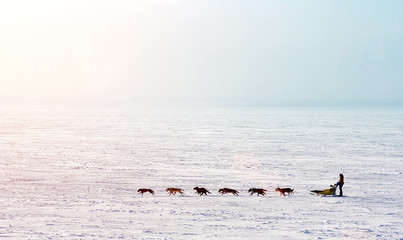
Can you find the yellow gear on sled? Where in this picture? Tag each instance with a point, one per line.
(329, 191)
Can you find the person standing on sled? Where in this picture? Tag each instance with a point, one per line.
(340, 183)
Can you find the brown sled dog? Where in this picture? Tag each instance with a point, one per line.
(201, 191)
(285, 190)
(259, 191)
(174, 191)
(228, 190)
(144, 190)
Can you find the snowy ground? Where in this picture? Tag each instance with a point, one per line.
(74, 173)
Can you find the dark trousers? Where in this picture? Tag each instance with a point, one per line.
(341, 190)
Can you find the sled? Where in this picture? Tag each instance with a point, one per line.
(326, 192)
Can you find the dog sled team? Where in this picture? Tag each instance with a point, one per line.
(259, 191)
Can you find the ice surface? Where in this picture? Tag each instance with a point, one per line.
(73, 173)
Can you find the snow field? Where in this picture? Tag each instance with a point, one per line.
(75, 174)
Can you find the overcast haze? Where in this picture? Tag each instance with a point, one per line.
(243, 52)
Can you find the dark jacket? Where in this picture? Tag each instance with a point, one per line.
(341, 180)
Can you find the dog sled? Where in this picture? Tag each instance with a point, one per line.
(326, 192)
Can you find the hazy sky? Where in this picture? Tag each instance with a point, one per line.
(245, 52)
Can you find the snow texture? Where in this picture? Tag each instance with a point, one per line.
(74, 173)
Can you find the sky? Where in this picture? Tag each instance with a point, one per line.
(206, 51)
